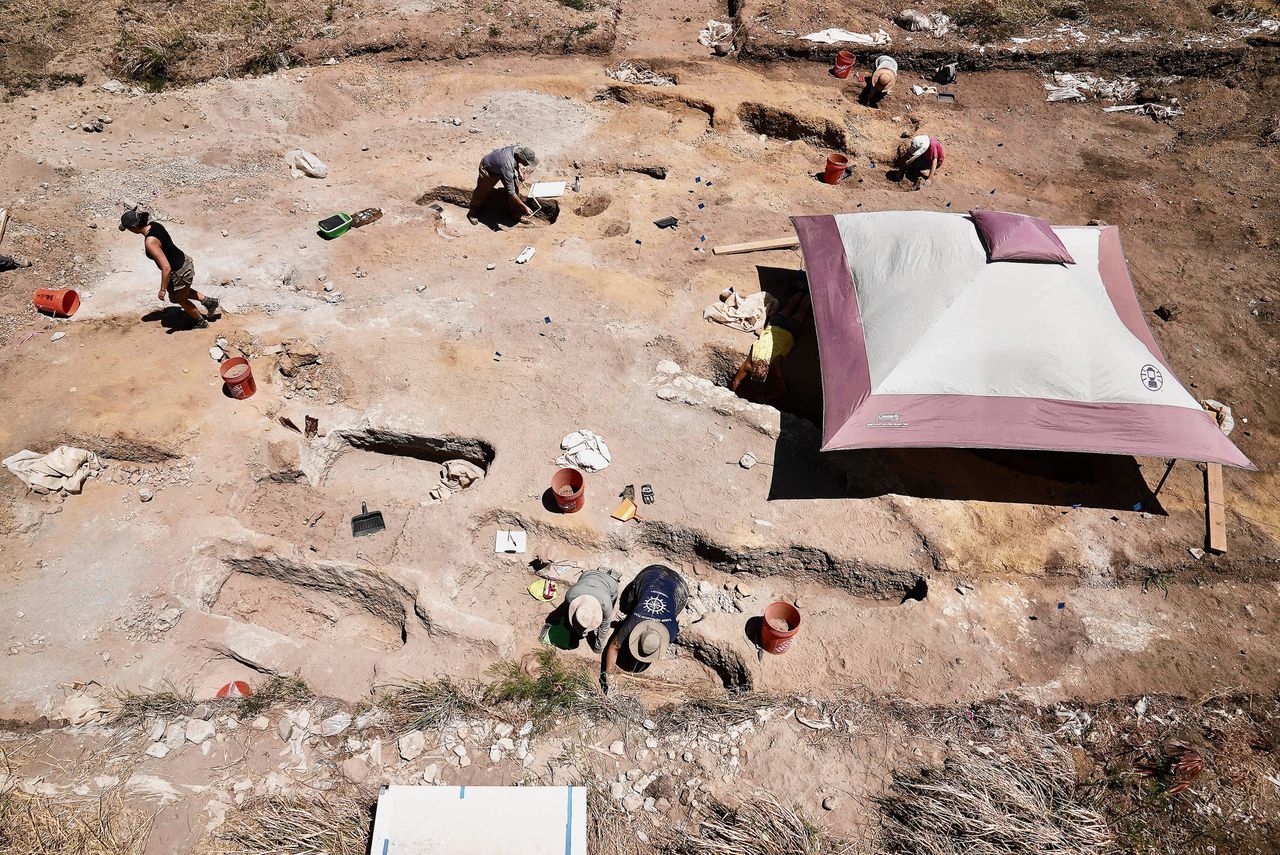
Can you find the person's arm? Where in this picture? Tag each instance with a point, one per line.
(741, 375)
(933, 170)
(513, 189)
(776, 387)
(608, 662)
(154, 250)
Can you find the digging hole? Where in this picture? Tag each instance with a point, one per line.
(785, 125)
(495, 207)
(667, 101)
(434, 449)
(593, 205)
(919, 591)
(122, 448)
(306, 613)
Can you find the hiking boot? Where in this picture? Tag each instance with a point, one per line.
(210, 303)
(201, 324)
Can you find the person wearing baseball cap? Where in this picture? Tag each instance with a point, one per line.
(591, 607)
(508, 166)
(652, 601)
(177, 270)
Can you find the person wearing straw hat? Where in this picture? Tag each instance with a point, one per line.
(591, 607)
(177, 271)
(921, 159)
(880, 81)
(652, 602)
(508, 166)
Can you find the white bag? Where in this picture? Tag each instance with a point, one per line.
(302, 162)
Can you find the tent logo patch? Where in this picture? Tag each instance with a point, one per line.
(889, 420)
(1152, 378)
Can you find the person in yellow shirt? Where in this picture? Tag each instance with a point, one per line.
(775, 342)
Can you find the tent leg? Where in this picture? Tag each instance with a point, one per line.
(1164, 477)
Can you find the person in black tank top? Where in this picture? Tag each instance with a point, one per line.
(177, 271)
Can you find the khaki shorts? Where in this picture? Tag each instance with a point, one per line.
(181, 280)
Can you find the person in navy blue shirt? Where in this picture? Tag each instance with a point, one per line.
(652, 601)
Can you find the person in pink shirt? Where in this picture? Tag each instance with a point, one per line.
(922, 159)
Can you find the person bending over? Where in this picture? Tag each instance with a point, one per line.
(507, 166)
(177, 271)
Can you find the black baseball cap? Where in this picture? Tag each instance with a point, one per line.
(132, 219)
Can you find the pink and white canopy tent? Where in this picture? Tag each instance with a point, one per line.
(924, 343)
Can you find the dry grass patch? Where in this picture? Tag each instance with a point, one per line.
(335, 823)
(37, 825)
(760, 825)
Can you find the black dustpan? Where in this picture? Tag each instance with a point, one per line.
(367, 523)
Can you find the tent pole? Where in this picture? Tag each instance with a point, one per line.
(1164, 477)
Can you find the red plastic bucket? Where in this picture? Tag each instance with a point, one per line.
(779, 614)
(60, 302)
(844, 62)
(569, 489)
(836, 165)
(238, 375)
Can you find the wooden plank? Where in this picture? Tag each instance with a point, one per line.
(1216, 507)
(4, 222)
(757, 245)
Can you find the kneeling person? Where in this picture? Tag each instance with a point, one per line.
(591, 607)
(652, 602)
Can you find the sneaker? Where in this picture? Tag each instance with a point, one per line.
(210, 303)
(473, 219)
(201, 324)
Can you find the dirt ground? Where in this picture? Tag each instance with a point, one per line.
(215, 545)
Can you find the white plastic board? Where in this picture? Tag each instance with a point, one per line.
(430, 820)
(547, 190)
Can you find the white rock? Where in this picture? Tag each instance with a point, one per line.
(199, 730)
(431, 774)
(411, 745)
(56, 336)
(216, 354)
(464, 762)
(526, 729)
(632, 802)
(460, 750)
(260, 723)
(334, 724)
(506, 744)
(284, 729)
(174, 736)
(651, 743)
(650, 805)
(618, 747)
(156, 731)
(157, 750)
(145, 495)
(355, 770)
(503, 729)
(495, 754)
(618, 790)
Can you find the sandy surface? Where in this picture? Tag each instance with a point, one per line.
(1043, 580)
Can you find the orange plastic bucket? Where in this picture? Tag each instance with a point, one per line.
(844, 62)
(776, 640)
(238, 375)
(836, 165)
(60, 302)
(570, 490)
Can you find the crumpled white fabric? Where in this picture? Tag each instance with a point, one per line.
(584, 450)
(456, 476)
(747, 314)
(302, 162)
(836, 35)
(715, 33)
(1222, 414)
(62, 470)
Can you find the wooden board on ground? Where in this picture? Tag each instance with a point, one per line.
(4, 221)
(1216, 507)
(757, 245)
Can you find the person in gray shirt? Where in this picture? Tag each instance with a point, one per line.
(503, 166)
(591, 602)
